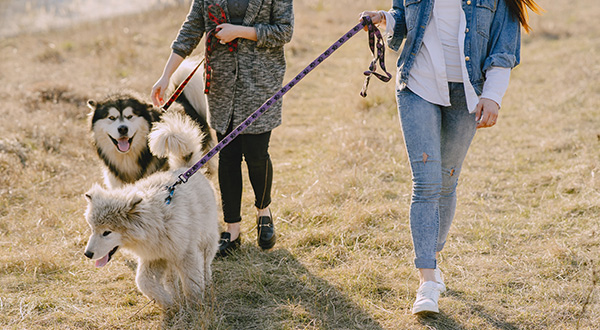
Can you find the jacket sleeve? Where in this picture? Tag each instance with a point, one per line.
(191, 31)
(505, 40)
(397, 11)
(280, 31)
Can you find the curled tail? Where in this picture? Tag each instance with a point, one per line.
(178, 138)
(195, 104)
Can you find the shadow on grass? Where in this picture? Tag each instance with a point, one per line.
(273, 290)
(444, 321)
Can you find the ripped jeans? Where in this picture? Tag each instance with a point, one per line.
(437, 139)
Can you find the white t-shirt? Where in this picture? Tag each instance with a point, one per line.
(441, 59)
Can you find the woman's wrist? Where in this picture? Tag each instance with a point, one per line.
(248, 32)
(228, 32)
(381, 17)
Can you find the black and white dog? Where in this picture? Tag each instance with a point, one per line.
(121, 122)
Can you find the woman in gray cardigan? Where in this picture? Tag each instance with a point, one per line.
(247, 65)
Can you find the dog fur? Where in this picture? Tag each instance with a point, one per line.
(121, 122)
(172, 241)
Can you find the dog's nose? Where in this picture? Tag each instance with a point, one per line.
(123, 130)
(89, 254)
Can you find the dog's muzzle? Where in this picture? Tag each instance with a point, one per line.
(123, 143)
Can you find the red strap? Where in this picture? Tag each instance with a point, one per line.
(217, 15)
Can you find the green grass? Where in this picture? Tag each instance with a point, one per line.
(522, 252)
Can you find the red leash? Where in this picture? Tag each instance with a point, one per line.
(212, 42)
(180, 89)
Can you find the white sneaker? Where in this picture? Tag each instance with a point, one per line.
(427, 298)
(439, 277)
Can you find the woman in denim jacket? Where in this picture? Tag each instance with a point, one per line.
(453, 71)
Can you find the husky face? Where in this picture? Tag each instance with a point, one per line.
(120, 122)
(120, 126)
(108, 218)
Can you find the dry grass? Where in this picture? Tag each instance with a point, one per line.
(523, 252)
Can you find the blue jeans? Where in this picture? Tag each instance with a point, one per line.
(437, 139)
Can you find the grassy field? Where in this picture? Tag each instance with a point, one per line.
(523, 252)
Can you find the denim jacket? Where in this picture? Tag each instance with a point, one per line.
(492, 37)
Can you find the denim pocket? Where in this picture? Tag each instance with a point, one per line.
(484, 12)
(411, 13)
(489, 4)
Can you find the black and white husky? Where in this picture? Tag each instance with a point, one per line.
(121, 122)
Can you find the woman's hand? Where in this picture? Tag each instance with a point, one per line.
(377, 17)
(229, 32)
(160, 87)
(158, 91)
(486, 113)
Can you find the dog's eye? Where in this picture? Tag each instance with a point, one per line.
(106, 233)
(112, 117)
(128, 117)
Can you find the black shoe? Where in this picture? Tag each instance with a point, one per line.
(266, 232)
(226, 245)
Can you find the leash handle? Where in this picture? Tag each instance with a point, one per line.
(217, 15)
(210, 43)
(373, 33)
(375, 41)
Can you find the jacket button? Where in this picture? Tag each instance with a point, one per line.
(467, 30)
(467, 58)
(468, 2)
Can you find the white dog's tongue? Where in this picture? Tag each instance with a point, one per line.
(102, 262)
(123, 144)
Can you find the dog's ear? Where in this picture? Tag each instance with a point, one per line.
(155, 113)
(92, 104)
(96, 188)
(134, 202)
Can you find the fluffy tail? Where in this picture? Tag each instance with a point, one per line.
(195, 104)
(178, 138)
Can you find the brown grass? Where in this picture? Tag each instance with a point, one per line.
(523, 252)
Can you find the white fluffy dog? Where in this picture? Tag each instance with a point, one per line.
(172, 241)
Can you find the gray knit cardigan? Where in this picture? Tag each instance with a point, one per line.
(244, 79)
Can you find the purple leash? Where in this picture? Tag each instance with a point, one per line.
(374, 34)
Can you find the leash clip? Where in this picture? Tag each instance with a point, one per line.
(182, 178)
(171, 188)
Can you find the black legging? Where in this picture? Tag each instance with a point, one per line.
(254, 148)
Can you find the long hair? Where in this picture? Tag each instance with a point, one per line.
(518, 8)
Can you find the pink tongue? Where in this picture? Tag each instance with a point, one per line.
(102, 262)
(123, 144)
